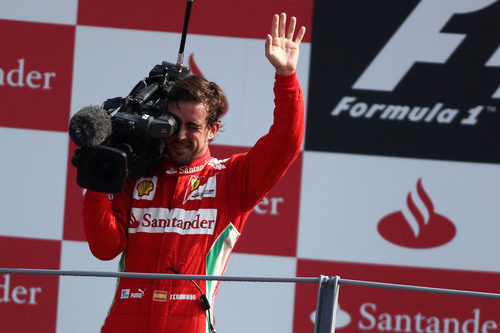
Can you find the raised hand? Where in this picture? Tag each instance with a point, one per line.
(282, 50)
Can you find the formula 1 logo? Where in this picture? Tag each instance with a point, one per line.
(419, 39)
(415, 78)
(417, 225)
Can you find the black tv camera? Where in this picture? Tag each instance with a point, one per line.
(133, 143)
(124, 137)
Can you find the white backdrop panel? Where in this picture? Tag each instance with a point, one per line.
(34, 180)
(83, 302)
(345, 196)
(47, 11)
(109, 62)
(256, 307)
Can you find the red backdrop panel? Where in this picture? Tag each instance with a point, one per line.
(251, 19)
(36, 65)
(272, 227)
(29, 301)
(366, 309)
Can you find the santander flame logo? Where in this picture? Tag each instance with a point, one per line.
(194, 67)
(196, 71)
(417, 225)
(343, 319)
(133, 223)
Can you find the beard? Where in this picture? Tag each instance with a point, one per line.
(181, 152)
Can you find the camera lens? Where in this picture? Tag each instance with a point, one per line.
(103, 166)
(102, 169)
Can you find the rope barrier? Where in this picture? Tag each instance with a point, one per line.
(430, 290)
(346, 282)
(158, 276)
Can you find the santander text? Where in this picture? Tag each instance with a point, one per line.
(418, 323)
(149, 221)
(268, 206)
(18, 294)
(34, 79)
(184, 222)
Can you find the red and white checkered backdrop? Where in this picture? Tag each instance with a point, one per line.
(389, 196)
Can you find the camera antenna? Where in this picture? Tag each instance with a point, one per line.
(180, 56)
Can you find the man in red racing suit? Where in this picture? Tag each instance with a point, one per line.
(188, 216)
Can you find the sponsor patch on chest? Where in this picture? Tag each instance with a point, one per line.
(181, 221)
(200, 187)
(125, 293)
(160, 296)
(145, 188)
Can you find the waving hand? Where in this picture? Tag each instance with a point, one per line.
(281, 49)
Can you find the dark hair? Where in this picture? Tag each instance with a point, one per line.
(197, 89)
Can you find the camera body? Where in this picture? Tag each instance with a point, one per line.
(140, 122)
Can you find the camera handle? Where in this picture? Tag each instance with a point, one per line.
(187, 15)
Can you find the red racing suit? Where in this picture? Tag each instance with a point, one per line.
(187, 219)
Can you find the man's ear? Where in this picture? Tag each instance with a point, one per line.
(213, 130)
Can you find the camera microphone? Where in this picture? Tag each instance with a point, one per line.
(90, 126)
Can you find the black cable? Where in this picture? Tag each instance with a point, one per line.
(205, 304)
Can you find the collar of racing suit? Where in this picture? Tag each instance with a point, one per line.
(171, 169)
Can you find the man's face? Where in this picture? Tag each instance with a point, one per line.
(191, 141)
